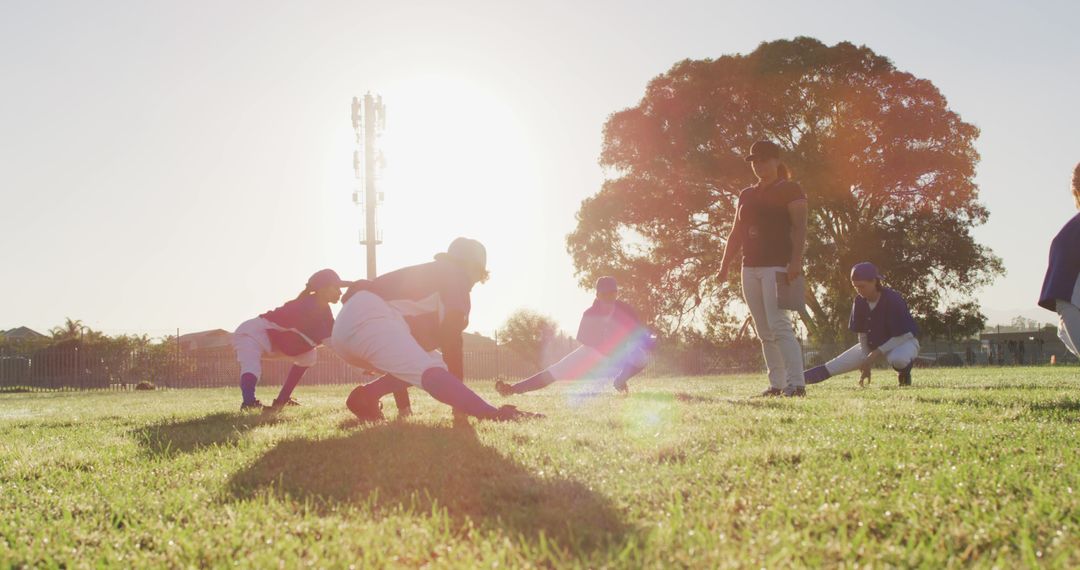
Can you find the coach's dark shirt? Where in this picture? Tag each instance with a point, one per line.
(766, 223)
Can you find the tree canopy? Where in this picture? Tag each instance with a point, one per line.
(887, 166)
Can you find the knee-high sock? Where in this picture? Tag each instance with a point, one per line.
(295, 373)
(628, 373)
(816, 374)
(247, 386)
(448, 389)
(906, 368)
(536, 382)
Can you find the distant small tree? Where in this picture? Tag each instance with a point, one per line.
(74, 329)
(528, 333)
(1024, 324)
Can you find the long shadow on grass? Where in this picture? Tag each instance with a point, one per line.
(190, 435)
(419, 468)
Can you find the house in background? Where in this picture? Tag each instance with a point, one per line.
(211, 340)
(1024, 347)
(22, 333)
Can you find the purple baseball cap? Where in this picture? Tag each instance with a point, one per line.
(864, 271)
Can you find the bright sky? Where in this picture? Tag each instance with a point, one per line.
(187, 165)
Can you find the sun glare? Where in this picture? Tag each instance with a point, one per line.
(453, 149)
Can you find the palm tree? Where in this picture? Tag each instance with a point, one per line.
(71, 329)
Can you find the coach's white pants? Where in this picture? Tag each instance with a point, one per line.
(587, 361)
(370, 334)
(852, 358)
(252, 344)
(1069, 327)
(783, 355)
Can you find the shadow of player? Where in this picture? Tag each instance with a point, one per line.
(187, 436)
(418, 468)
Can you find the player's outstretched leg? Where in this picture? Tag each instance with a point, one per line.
(537, 382)
(450, 390)
(817, 374)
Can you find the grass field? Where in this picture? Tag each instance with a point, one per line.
(968, 467)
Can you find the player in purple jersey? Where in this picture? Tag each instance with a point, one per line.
(291, 332)
(614, 344)
(1061, 286)
(408, 324)
(885, 327)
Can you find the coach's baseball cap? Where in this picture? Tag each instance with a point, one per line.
(763, 150)
(325, 278)
(606, 284)
(468, 252)
(864, 271)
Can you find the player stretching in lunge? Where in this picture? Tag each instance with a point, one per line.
(885, 327)
(396, 322)
(1061, 286)
(291, 332)
(613, 342)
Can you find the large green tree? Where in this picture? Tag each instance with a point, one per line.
(887, 166)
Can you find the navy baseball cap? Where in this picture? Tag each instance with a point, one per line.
(763, 150)
(864, 271)
(606, 284)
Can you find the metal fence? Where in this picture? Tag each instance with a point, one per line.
(78, 366)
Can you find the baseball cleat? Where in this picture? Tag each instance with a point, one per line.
(366, 409)
(771, 393)
(252, 405)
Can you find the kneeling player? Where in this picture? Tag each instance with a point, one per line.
(613, 342)
(885, 327)
(396, 322)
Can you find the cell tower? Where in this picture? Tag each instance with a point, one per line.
(369, 122)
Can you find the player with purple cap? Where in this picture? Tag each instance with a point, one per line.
(1061, 286)
(614, 343)
(880, 316)
(290, 332)
(408, 324)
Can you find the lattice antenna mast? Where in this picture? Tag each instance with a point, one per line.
(369, 122)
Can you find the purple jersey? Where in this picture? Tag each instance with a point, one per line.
(608, 327)
(888, 319)
(307, 322)
(1064, 267)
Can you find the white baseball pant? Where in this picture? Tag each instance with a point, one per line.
(252, 345)
(369, 333)
(899, 357)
